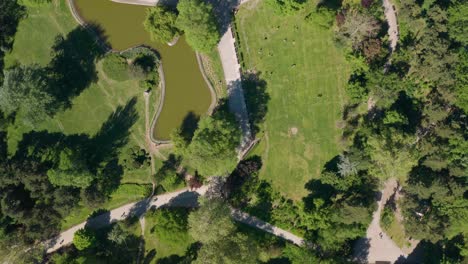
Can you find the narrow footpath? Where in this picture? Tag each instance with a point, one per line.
(181, 198)
(232, 75)
(377, 245)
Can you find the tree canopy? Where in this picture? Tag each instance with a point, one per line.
(198, 22)
(84, 239)
(160, 22)
(213, 226)
(24, 89)
(212, 150)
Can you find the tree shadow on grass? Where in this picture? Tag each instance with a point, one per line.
(73, 67)
(113, 135)
(256, 99)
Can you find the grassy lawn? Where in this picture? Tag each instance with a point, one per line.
(95, 104)
(36, 33)
(305, 75)
(90, 109)
(124, 194)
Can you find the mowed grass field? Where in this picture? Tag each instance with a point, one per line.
(33, 41)
(305, 74)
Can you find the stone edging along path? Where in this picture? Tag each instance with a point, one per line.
(76, 16)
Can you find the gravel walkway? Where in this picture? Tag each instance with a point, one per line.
(232, 75)
(390, 16)
(377, 246)
(182, 198)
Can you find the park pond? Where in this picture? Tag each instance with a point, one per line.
(186, 92)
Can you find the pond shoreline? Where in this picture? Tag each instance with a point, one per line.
(214, 98)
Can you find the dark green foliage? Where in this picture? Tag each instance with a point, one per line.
(167, 176)
(24, 90)
(297, 255)
(10, 15)
(198, 22)
(160, 23)
(458, 21)
(213, 226)
(212, 150)
(387, 217)
(116, 67)
(256, 98)
(84, 239)
(136, 158)
(286, 7)
(114, 244)
(171, 225)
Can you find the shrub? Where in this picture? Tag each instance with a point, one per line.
(84, 239)
(116, 67)
(171, 225)
(387, 217)
(286, 7)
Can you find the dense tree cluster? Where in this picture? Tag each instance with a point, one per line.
(160, 22)
(211, 149)
(213, 226)
(415, 129)
(115, 244)
(195, 18)
(10, 15)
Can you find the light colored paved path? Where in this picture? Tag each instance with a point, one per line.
(373, 248)
(390, 16)
(262, 225)
(232, 75)
(180, 198)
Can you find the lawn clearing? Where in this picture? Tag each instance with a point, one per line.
(95, 104)
(37, 33)
(305, 75)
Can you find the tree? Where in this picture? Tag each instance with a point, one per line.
(357, 27)
(84, 239)
(10, 15)
(211, 222)
(346, 167)
(171, 225)
(116, 67)
(117, 235)
(213, 226)
(160, 23)
(213, 148)
(458, 21)
(198, 22)
(298, 255)
(71, 171)
(25, 89)
(237, 248)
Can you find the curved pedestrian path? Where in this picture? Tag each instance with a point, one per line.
(377, 245)
(181, 198)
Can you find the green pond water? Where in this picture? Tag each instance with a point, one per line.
(186, 90)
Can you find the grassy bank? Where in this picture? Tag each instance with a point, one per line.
(305, 76)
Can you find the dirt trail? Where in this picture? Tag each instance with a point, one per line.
(378, 246)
